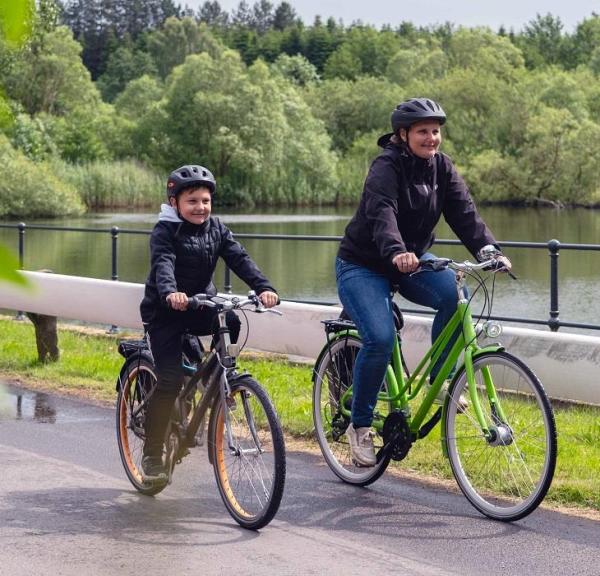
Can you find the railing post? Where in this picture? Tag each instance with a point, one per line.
(227, 281)
(114, 234)
(20, 315)
(553, 321)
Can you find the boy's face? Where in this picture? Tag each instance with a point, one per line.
(194, 204)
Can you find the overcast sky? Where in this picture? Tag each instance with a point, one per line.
(493, 13)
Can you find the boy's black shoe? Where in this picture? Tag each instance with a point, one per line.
(154, 470)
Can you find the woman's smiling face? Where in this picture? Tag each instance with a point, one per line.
(194, 204)
(424, 138)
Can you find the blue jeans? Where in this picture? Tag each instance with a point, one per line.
(367, 297)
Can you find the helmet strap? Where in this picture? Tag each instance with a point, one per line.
(173, 202)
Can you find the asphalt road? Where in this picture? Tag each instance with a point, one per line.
(66, 508)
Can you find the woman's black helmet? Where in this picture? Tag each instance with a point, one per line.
(189, 176)
(415, 110)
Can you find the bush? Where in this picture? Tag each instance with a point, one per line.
(122, 184)
(30, 189)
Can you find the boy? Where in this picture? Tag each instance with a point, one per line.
(185, 245)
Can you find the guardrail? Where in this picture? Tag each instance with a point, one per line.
(566, 363)
(552, 246)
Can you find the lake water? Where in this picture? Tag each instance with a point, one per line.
(303, 270)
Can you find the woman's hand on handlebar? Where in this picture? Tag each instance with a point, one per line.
(178, 300)
(406, 262)
(505, 263)
(268, 299)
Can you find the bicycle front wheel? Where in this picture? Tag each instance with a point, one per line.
(248, 453)
(506, 473)
(136, 386)
(333, 375)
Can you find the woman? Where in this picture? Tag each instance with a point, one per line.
(410, 185)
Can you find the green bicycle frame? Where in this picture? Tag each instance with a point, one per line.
(401, 390)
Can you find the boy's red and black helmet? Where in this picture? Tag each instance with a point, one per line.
(188, 176)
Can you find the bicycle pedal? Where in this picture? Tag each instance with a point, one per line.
(199, 439)
(359, 465)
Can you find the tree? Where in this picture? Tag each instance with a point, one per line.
(297, 69)
(213, 15)
(96, 23)
(251, 127)
(139, 95)
(177, 39)
(481, 49)
(124, 64)
(319, 43)
(352, 108)
(424, 60)
(555, 164)
(262, 16)
(51, 77)
(284, 16)
(542, 41)
(242, 15)
(586, 40)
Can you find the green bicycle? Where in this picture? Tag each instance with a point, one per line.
(501, 446)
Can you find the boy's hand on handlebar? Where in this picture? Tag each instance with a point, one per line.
(268, 299)
(406, 262)
(178, 300)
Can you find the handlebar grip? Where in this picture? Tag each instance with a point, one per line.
(434, 264)
(196, 301)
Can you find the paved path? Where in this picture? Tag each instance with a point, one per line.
(67, 509)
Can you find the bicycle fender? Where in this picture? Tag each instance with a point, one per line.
(231, 378)
(496, 347)
(330, 340)
(134, 358)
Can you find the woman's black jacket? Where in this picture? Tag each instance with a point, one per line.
(184, 256)
(402, 201)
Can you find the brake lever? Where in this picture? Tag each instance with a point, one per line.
(503, 269)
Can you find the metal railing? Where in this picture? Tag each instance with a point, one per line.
(552, 246)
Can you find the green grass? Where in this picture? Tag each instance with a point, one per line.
(90, 364)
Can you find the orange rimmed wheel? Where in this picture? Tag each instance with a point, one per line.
(248, 453)
(135, 387)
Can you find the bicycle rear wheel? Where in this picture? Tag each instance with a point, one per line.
(136, 386)
(506, 475)
(250, 464)
(332, 376)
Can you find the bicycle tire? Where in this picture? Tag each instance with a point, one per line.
(250, 478)
(332, 376)
(138, 380)
(508, 475)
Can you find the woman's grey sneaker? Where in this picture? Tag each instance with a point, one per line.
(361, 445)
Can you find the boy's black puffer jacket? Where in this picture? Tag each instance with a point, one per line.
(184, 257)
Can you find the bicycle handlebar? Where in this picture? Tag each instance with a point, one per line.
(234, 303)
(437, 264)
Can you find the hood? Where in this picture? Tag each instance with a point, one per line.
(421, 163)
(384, 140)
(168, 214)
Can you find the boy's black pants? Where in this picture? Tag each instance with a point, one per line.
(166, 340)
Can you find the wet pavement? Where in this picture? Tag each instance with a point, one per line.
(66, 508)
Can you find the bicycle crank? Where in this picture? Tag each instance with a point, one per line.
(397, 438)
